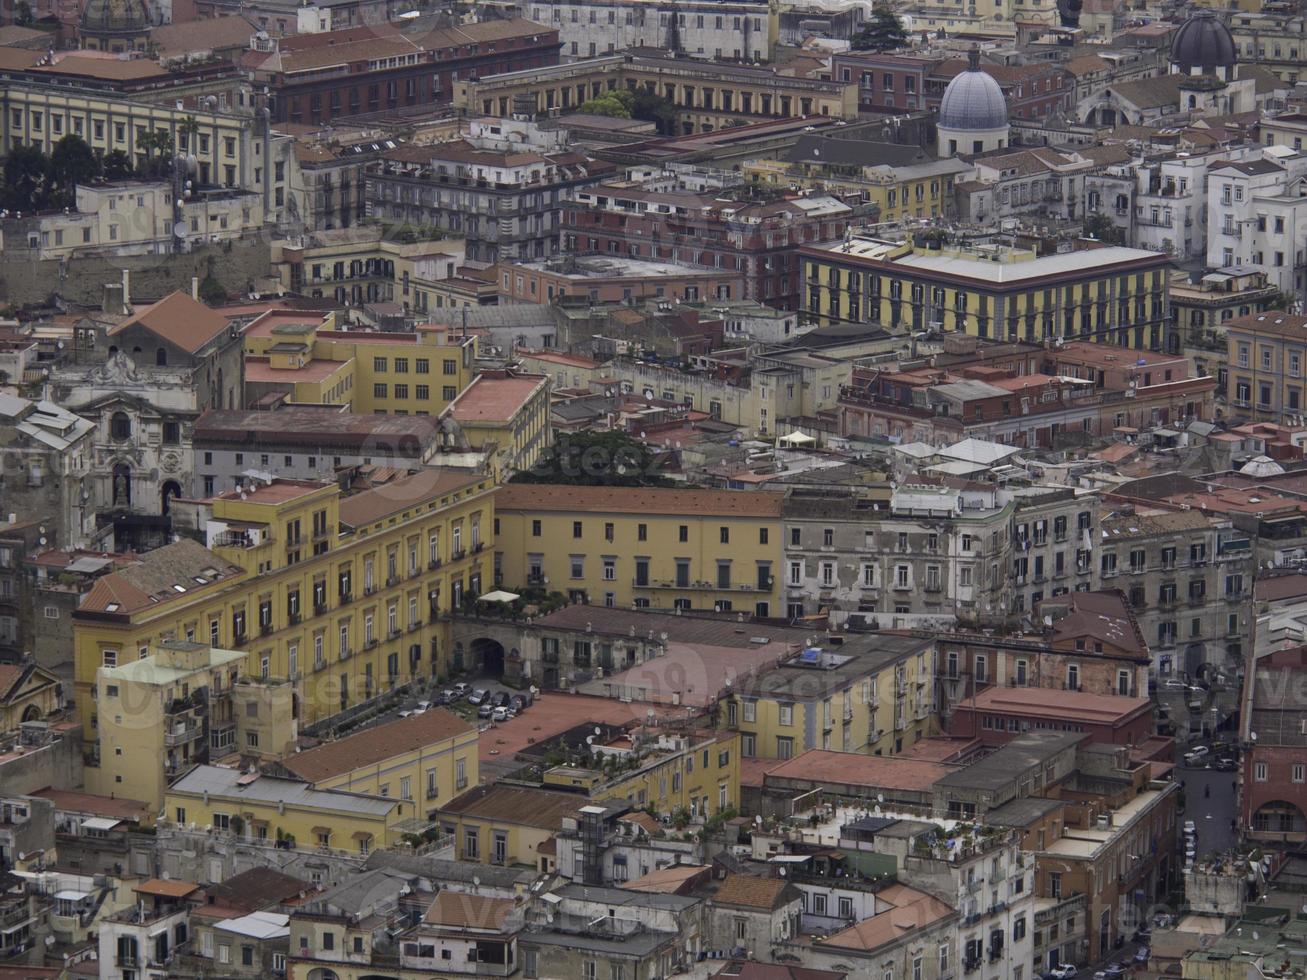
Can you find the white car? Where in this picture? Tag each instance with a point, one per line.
(1197, 754)
(1065, 971)
(405, 713)
(422, 707)
(1190, 827)
(499, 714)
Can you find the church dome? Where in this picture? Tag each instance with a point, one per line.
(1203, 42)
(973, 101)
(115, 16)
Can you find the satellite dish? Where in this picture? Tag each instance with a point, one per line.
(476, 881)
(598, 730)
(758, 822)
(180, 229)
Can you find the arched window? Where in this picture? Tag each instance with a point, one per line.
(120, 427)
(161, 357)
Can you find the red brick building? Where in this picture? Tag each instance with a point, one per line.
(886, 82)
(1274, 799)
(749, 239)
(997, 715)
(1032, 91)
(316, 78)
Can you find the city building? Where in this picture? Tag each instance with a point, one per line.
(46, 460)
(504, 824)
(1203, 309)
(1273, 801)
(1264, 366)
(426, 759)
(259, 807)
(501, 195)
(973, 113)
(141, 939)
(1106, 294)
(660, 219)
(305, 443)
(1257, 217)
(651, 548)
(319, 77)
(874, 696)
(171, 709)
(27, 693)
(339, 600)
(504, 414)
(743, 30)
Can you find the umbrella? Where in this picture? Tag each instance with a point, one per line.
(499, 595)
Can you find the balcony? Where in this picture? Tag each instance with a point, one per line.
(345, 599)
(458, 554)
(295, 542)
(265, 629)
(433, 564)
(319, 609)
(478, 548)
(324, 532)
(392, 581)
(368, 644)
(293, 618)
(394, 634)
(181, 736)
(239, 640)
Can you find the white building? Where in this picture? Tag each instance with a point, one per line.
(1257, 217)
(737, 31)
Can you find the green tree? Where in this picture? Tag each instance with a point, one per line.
(617, 104)
(884, 32)
(116, 165)
(212, 291)
(596, 459)
(156, 147)
(72, 162)
(1100, 226)
(25, 179)
(654, 108)
(23, 14)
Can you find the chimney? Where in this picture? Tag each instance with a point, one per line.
(195, 287)
(127, 291)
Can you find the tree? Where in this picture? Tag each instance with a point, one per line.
(654, 108)
(72, 162)
(1100, 226)
(116, 165)
(23, 14)
(884, 32)
(596, 459)
(25, 175)
(157, 146)
(616, 104)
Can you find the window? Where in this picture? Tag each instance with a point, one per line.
(1261, 772)
(786, 714)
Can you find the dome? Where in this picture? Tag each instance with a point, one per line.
(1203, 42)
(973, 101)
(113, 16)
(1261, 466)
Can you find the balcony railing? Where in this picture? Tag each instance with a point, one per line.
(175, 738)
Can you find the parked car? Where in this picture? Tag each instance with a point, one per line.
(461, 688)
(1142, 955)
(1226, 764)
(1063, 971)
(478, 696)
(1175, 684)
(422, 707)
(501, 699)
(405, 713)
(1197, 754)
(484, 710)
(499, 714)
(1190, 827)
(1113, 971)
(449, 696)
(518, 704)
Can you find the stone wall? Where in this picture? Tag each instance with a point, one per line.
(58, 763)
(236, 265)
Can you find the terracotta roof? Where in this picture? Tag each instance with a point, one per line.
(1074, 706)
(211, 34)
(178, 319)
(154, 578)
(376, 744)
(675, 879)
(750, 891)
(1271, 322)
(373, 505)
(851, 768)
(10, 675)
(102, 806)
(495, 396)
(258, 888)
(665, 501)
(539, 808)
(459, 910)
(912, 910)
(1086, 64)
(166, 888)
(1289, 586)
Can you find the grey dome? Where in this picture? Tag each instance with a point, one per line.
(1203, 42)
(973, 101)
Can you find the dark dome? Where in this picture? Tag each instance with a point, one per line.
(113, 16)
(1203, 42)
(1069, 12)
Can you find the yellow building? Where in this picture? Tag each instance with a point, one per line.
(656, 548)
(344, 598)
(506, 412)
(313, 361)
(161, 714)
(27, 693)
(427, 759)
(269, 808)
(872, 694)
(706, 96)
(1107, 294)
(917, 190)
(502, 824)
(699, 772)
(41, 115)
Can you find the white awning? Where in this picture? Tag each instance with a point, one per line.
(796, 439)
(499, 595)
(100, 823)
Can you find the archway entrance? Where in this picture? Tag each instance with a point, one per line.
(488, 656)
(1195, 660)
(170, 489)
(31, 713)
